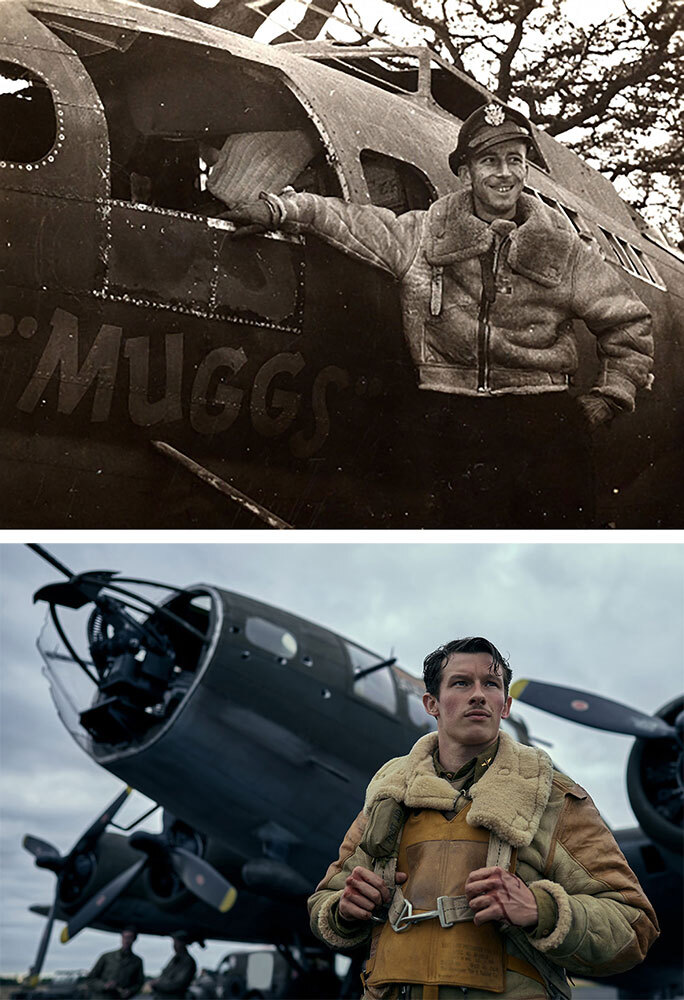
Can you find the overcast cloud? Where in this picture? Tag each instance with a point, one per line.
(608, 618)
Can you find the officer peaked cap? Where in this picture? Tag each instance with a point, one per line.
(488, 126)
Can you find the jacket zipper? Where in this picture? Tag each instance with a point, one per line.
(483, 328)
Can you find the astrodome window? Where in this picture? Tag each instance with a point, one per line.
(273, 638)
(28, 123)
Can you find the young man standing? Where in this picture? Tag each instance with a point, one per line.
(117, 974)
(475, 868)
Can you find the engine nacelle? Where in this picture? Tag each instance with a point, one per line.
(655, 783)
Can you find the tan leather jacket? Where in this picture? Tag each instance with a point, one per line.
(601, 922)
(511, 333)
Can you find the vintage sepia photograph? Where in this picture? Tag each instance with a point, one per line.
(362, 265)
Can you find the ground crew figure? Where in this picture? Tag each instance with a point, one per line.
(475, 867)
(179, 972)
(116, 973)
(491, 280)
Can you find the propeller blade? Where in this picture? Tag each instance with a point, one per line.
(34, 971)
(203, 880)
(101, 901)
(40, 849)
(96, 829)
(590, 710)
(77, 591)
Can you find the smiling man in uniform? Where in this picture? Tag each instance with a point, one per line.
(491, 280)
(475, 868)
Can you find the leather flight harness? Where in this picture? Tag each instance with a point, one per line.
(436, 850)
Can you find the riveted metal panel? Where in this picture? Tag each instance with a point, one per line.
(260, 276)
(159, 256)
(50, 242)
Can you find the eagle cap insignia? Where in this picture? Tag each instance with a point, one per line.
(494, 114)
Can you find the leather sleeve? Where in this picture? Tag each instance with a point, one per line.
(605, 924)
(621, 323)
(371, 234)
(325, 921)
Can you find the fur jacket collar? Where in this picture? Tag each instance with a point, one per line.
(508, 799)
(540, 248)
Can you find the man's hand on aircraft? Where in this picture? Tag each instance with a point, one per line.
(495, 894)
(596, 410)
(250, 217)
(363, 892)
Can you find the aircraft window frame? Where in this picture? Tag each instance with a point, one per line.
(162, 163)
(56, 126)
(551, 202)
(573, 218)
(401, 167)
(648, 266)
(373, 688)
(614, 246)
(627, 249)
(571, 214)
(636, 257)
(260, 632)
(630, 258)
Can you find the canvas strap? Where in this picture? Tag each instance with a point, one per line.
(450, 909)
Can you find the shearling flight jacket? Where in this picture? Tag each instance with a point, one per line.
(604, 923)
(521, 340)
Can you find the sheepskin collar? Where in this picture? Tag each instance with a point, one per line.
(540, 247)
(509, 798)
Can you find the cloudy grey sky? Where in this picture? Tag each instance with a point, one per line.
(606, 617)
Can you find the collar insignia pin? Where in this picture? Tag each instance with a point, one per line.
(494, 114)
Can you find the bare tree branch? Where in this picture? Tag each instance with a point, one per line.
(617, 82)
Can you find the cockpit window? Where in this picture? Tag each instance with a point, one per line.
(273, 638)
(394, 184)
(28, 123)
(197, 131)
(377, 687)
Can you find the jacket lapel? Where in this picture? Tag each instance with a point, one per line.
(513, 793)
(509, 798)
(540, 247)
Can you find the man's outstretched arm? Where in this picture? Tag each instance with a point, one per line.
(371, 234)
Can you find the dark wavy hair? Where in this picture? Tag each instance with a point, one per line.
(434, 663)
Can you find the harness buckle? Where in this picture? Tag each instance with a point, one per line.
(447, 914)
(404, 919)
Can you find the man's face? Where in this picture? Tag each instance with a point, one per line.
(497, 176)
(471, 701)
(127, 939)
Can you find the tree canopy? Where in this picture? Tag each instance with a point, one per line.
(612, 90)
